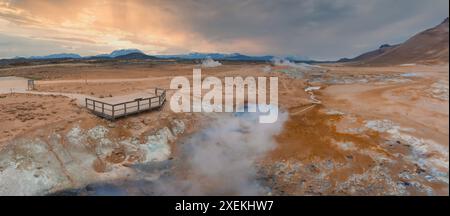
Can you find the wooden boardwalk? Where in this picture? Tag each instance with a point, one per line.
(112, 111)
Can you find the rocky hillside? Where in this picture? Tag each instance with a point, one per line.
(427, 47)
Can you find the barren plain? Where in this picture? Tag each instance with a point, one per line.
(342, 130)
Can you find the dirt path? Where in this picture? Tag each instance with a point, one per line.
(19, 85)
(49, 82)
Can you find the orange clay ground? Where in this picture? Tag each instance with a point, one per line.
(377, 131)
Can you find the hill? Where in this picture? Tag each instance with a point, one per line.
(427, 47)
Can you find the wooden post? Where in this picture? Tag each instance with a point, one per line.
(103, 108)
(94, 104)
(125, 108)
(138, 105)
(112, 111)
(30, 85)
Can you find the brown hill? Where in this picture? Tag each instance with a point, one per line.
(428, 47)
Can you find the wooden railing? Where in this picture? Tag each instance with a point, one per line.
(114, 111)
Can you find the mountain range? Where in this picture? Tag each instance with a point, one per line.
(138, 54)
(232, 56)
(57, 56)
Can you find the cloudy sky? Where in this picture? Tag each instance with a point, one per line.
(319, 29)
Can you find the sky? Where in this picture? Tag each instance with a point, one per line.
(318, 29)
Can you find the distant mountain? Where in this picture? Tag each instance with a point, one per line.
(135, 55)
(230, 57)
(100, 56)
(297, 58)
(194, 55)
(138, 54)
(58, 56)
(430, 46)
(116, 54)
(122, 52)
(240, 57)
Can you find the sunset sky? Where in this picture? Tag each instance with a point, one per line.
(319, 29)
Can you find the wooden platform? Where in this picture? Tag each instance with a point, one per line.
(112, 111)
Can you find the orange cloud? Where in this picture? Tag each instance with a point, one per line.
(115, 24)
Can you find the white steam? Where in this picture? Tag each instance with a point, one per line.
(286, 62)
(209, 62)
(221, 159)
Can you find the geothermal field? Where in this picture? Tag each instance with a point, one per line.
(341, 130)
(225, 98)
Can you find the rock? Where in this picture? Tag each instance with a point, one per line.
(20, 175)
(117, 156)
(178, 127)
(97, 132)
(419, 169)
(157, 146)
(145, 121)
(99, 166)
(380, 125)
